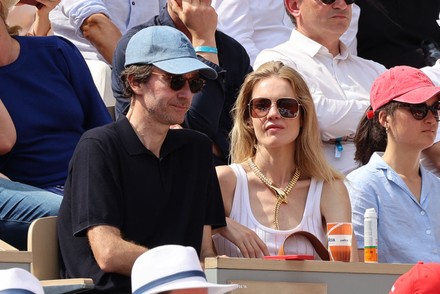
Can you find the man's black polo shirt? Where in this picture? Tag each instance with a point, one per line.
(114, 180)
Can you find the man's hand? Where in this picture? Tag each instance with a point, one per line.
(102, 33)
(200, 18)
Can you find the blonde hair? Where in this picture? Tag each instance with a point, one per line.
(309, 156)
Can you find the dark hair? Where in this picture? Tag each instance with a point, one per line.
(370, 135)
(140, 72)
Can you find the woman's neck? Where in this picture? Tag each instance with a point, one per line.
(278, 166)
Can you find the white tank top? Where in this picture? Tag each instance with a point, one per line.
(241, 212)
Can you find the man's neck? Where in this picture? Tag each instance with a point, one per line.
(332, 43)
(150, 133)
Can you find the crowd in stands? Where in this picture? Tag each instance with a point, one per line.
(238, 123)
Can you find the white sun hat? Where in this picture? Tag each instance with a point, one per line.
(19, 281)
(171, 267)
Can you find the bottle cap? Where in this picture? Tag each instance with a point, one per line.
(370, 212)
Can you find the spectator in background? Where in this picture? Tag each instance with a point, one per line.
(339, 81)
(401, 33)
(172, 269)
(403, 121)
(136, 184)
(95, 27)
(47, 89)
(391, 32)
(19, 281)
(32, 20)
(280, 182)
(19, 204)
(210, 109)
(262, 24)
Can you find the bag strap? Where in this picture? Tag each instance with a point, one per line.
(317, 245)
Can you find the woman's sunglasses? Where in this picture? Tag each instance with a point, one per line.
(287, 107)
(420, 111)
(177, 82)
(328, 2)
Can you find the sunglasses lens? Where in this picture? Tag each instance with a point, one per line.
(177, 82)
(195, 85)
(287, 107)
(260, 107)
(419, 111)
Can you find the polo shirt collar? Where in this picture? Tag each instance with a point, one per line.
(174, 140)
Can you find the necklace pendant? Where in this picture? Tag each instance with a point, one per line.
(281, 195)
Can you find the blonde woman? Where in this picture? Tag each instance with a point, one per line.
(280, 181)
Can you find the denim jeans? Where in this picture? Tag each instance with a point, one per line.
(20, 204)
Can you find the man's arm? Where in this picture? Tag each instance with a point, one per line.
(102, 33)
(113, 253)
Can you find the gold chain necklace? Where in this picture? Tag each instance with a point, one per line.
(280, 194)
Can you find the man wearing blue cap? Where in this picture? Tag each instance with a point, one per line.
(210, 111)
(137, 183)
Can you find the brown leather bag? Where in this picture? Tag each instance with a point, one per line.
(317, 245)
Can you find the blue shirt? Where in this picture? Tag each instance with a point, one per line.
(408, 231)
(52, 100)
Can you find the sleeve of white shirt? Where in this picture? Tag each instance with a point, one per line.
(78, 10)
(235, 19)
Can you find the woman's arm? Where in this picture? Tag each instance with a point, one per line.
(245, 239)
(8, 135)
(336, 207)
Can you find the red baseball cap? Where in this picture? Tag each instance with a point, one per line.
(423, 278)
(403, 84)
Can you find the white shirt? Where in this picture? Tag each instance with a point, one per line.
(261, 24)
(241, 212)
(69, 15)
(340, 87)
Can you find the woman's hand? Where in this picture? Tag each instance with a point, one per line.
(250, 245)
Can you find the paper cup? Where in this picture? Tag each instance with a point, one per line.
(339, 241)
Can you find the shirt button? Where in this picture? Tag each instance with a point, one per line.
(133, 3)
(422, 212)
(428, 232)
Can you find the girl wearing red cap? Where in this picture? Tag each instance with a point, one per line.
(402, 122)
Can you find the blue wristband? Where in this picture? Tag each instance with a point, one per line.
(206, 49)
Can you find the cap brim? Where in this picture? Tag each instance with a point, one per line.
(419, 95)
(178, 285)
(180, 66)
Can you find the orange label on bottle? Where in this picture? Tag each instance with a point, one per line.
(370, 254)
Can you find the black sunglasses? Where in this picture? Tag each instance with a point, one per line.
(177, 82)
(287, 107)
(328, 2)
(420, 111)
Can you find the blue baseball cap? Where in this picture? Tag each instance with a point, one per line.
(166, 48)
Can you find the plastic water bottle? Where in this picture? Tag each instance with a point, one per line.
(370, 236)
